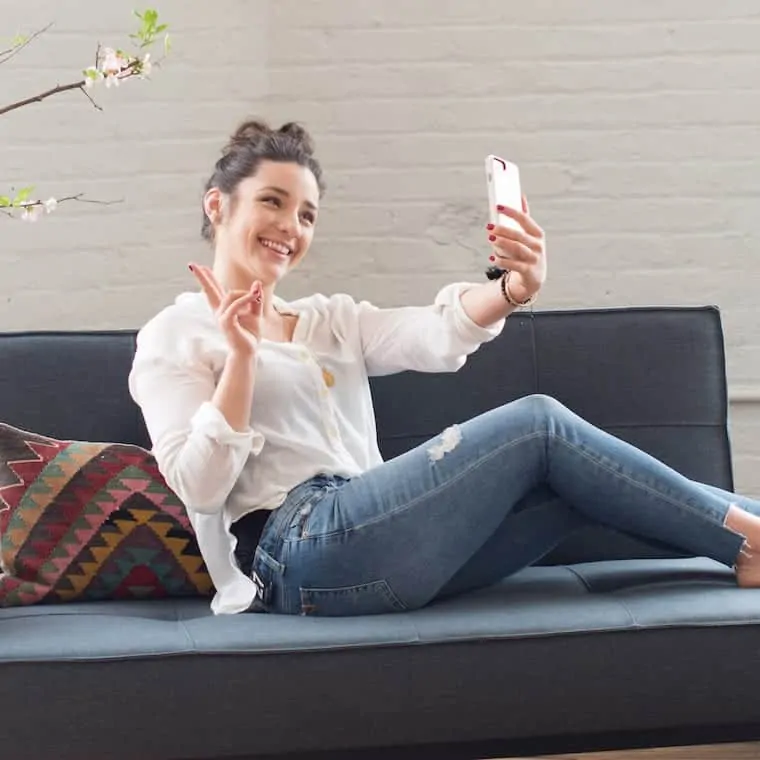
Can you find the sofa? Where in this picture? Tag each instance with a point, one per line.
(608, 642)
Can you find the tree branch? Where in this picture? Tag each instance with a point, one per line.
(48, 93)
(111, 66)
(89, 97)
(6, 55)
(128, 71)
(26, 206)
(78, 197)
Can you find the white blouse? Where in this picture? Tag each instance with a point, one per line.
(312, 410)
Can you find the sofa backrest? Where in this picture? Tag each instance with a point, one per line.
(653, 376)
(70, 385)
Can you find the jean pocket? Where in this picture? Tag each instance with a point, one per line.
(263, 572)
(373, 598)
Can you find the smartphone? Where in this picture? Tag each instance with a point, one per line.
(503, 180)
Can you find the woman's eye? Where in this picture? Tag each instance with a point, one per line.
(272, 199)
(308, 217)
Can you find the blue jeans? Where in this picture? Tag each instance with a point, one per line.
(482, 500)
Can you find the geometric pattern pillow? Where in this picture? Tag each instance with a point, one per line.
(86, 521)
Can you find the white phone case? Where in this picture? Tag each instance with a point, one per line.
(503, 180)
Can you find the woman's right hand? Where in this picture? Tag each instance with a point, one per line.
(237, 311)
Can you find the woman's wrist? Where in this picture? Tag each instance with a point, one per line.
(241, 360)
(515, 292)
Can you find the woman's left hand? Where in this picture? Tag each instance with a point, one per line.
(521, 251)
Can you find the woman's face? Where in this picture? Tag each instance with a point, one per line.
(267, 226)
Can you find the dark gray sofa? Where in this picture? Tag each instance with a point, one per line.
(609, 643)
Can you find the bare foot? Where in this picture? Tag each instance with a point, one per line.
(748, 561)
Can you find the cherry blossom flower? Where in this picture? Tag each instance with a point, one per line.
(31, 213)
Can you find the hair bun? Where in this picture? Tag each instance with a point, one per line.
(248, 132)
(255, 131)
(297, 133)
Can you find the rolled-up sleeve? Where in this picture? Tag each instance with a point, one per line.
(434, 338)
(199, 454)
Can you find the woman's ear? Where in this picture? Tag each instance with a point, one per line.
(213, 205)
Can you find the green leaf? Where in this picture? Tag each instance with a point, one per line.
(5, 201)
(23, 194)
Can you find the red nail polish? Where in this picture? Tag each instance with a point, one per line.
(500, 208)
(190, 267)
(492, 258)
(489, 226)
(492, 238)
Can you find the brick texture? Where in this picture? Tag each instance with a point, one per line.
(635, 125)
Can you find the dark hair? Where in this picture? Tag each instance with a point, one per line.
(253, 142)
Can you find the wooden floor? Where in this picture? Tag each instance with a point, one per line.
(749, 751)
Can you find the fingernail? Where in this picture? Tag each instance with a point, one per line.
(492, 258)
(489, 226)
(492, 238)
(500, 208)
(191, 267)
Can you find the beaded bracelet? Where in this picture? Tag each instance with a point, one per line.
(508, 296)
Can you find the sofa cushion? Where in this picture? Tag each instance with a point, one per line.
(551, 651)
(619, 595)
(71, 385)
(86, 521)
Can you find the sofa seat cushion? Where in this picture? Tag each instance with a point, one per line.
(634, 646)
(539, 601)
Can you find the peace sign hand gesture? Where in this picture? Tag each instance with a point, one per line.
(238, 312)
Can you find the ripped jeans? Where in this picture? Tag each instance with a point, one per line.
(482, 500)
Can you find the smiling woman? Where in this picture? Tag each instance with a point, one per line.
(264, 194)
(262, 421)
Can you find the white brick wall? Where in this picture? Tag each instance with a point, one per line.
(635, 125)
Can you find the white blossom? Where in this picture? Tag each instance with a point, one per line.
(31, 213)
(50, 205)
(112, 63)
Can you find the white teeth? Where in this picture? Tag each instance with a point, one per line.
(279, 247)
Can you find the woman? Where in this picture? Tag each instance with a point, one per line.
(261, 421)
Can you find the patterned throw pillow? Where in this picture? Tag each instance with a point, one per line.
(90, 521)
